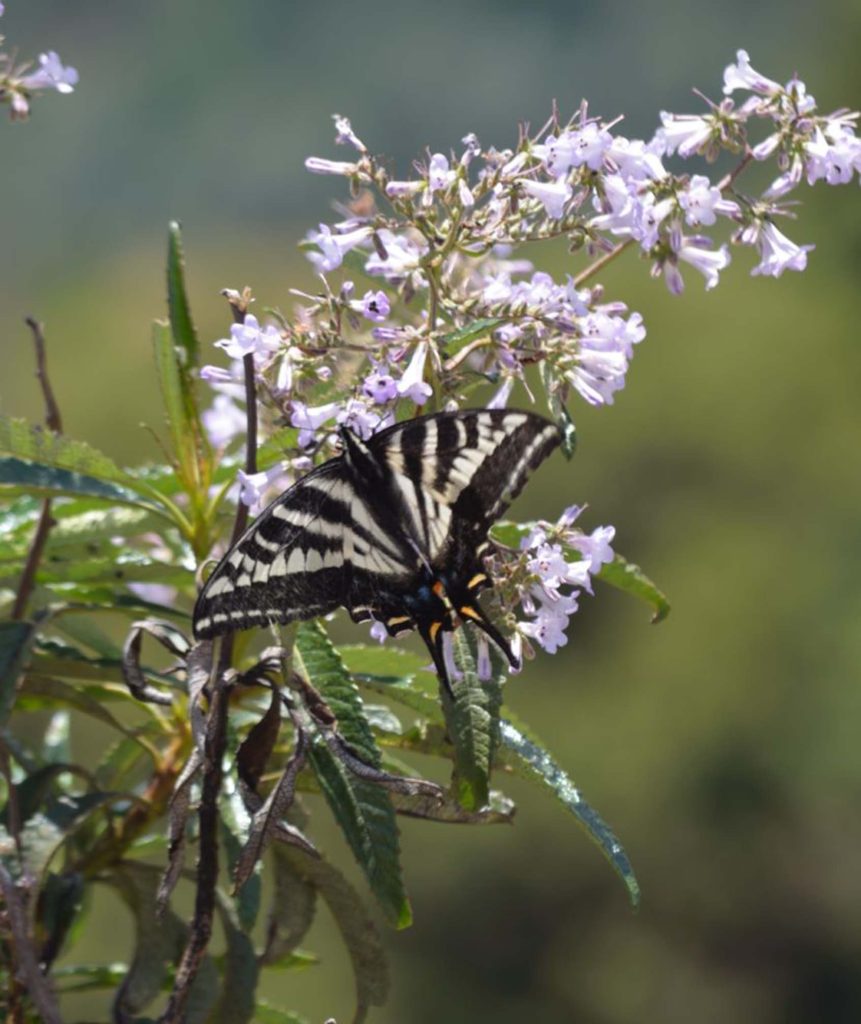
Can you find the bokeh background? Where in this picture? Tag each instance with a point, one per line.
(723, 744)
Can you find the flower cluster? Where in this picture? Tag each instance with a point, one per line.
(19, 83)
(451, 313)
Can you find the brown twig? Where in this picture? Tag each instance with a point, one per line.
(55, 424)
(37, 985)
(599, 264)
(207, 864)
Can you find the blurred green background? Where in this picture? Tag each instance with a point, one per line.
(722, 745)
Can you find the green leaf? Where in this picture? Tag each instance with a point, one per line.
(499, 810)
(455, 340)
(88, 977)
(276, 446)
(558, 410)
(362, 809)
(16, 639)
(181, 323)
(357, 929)
(118, 570)
(526, 756)
(51, 692)
(42, 447)
(632, 580)
(383, 660)
(59, 903)
(17, 476)
(247, 899)
(266, 1013)
(473, 724)
(510, 534)
(181, 418)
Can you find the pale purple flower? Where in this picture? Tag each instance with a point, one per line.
(223, 421)
(834, 160)
(153, 593)
(404, 189)
(699, 201)
(440, 176)
(586, 145)
(51, 75)
(553, 196)
(345, 134)
(216, 375)
(483, 666)
(785, 182)
(320, 165)
(649, 214)
(742, 76)
(402, 256)
(375, 306)
(548, 628)
(709, 262)
(686, 133)
(412, 385)
(464, 193)
(618, 207)
(334, 247)
(380, 386)
(503, 393)
(378, 631)
(595, 548)
(777, 252)
(249, 339)
(597, 373)
(637, 160)
(309, 419)
(765, 149)
(252, 486)
(358, 418)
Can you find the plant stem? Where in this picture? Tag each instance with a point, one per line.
(54, 423)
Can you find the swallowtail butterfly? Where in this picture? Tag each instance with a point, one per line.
(392, 529)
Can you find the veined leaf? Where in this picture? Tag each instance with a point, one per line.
(292, 911)
(363, 810)
(473, 724)
(357, 929)
(384, 660)
(455, 340)
(181, 419)
(526, 756)
(632, 580)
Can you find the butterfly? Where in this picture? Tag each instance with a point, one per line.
(392, 529)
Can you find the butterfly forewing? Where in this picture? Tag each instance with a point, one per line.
(288, 565)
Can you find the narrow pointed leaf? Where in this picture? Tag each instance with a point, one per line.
(526, 756)
(16, 639)
(363, 810)
(294, 901)
(179, 311)
(18, 476)
(239, 971)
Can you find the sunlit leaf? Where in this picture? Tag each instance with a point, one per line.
(526, 756)
(179, 311)
(266, 1013)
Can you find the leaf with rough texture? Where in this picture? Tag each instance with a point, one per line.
(498, 811)
(457, 339)
(159, 941)
(362, 809)
(386, 662)
(526, 756)
(473, 724)
(291, 914)
(632, 580)
(239, 971)
(16, 639)
(357, 929)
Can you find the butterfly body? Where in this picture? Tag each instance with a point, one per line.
(393, 529)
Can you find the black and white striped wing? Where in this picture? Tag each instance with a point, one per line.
(288, 565)
(458, 472)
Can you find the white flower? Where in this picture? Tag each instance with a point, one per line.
(439, 174)
(686, 133)
(309, 419)
(223, 421)
(248, 338)
(252, 486)
(699, 201)
(709, 262)
(319, 165)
